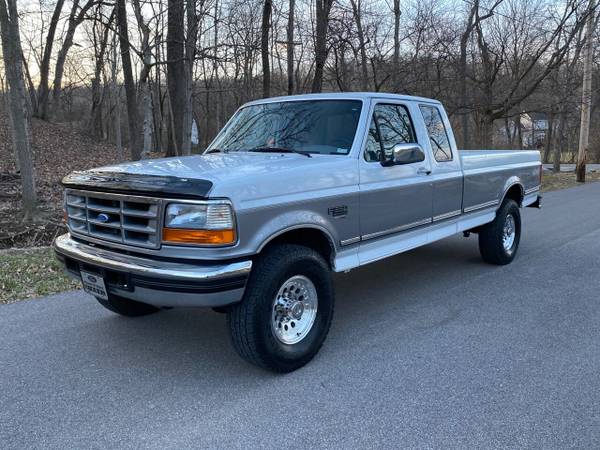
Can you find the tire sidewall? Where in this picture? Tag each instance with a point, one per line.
(313, 268)
(509, 207)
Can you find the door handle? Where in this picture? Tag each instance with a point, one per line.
(423, 171)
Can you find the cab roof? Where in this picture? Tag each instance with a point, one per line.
(344, 96)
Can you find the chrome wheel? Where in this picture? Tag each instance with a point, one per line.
(508, 233)
(294, 310)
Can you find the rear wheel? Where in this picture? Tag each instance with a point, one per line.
(499, 239)
(286, 311)
(127, 307)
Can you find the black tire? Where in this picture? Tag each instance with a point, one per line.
(250, 320)
(491, 244)
(127, 307)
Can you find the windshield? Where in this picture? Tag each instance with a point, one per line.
(314, 126)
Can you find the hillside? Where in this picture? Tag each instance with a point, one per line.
(58, 150)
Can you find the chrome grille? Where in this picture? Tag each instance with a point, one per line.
(118, 218)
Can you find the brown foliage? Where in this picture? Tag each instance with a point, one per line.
(58, 151)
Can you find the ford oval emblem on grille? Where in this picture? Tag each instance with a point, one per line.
(92, 279)
(102, 218)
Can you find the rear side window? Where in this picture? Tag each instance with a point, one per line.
(390, 125)
(440, 144)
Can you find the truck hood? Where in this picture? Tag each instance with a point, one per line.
(192, 176)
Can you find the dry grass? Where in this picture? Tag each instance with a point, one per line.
(553, 181)
(28, 273)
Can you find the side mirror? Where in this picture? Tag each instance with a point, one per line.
(404, 154)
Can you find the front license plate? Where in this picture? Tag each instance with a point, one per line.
(94, 284)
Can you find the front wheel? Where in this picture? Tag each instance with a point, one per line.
(499, 239)
(286, 311)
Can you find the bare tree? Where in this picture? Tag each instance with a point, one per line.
(18, 111)
(76, 17)
(143, 79)
(101, 37)
(264, 47)
(489, 63)
(396, 57)
(41, 108)
(586, 92)
(473, 21)
(322, 8)
(130, 92)
(176, 70)
(193, 22)
(290, 47)
(358, 14)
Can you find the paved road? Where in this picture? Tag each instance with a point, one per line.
(571, 167)
(432, 348)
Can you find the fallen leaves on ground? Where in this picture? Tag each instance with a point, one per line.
(58, 150)
(28, 273)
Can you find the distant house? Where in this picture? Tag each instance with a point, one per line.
(534, 126)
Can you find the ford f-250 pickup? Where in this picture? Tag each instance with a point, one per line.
(291, 189)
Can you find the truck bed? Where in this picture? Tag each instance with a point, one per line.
(480, 159)
(489, 173)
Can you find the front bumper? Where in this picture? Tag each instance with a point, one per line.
(156, 282)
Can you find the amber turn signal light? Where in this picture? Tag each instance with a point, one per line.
(186, 236)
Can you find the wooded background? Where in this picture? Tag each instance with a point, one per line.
(141, 74)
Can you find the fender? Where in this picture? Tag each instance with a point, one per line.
(512, 181)
(298, 227)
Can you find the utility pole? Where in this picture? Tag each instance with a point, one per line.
(586, 96)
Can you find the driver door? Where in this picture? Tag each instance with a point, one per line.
(393, 198)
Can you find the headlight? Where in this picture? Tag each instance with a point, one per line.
(210, 223)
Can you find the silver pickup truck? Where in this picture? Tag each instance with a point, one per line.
(291, 189)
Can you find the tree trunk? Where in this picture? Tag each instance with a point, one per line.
(396, 57)
(323, 8)
(95, 123)
(190, 57)
(18, 111)
(357, 13)
(290, 48)
(114, 88)
(176, 70)
(549, 138)
(509, 133)
(130, 94)
(75, 19)
(41, 108)
(32, 94)
(486, 131)
(586, 95)
(558, 146)
(143, 82)
(464, 117)
(264, 47)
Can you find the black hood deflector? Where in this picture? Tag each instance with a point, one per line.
(137, 184)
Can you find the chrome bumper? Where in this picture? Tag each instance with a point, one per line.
(159, 283)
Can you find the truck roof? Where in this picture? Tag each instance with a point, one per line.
(343, 96)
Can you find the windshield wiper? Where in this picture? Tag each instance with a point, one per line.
(279, 150)
(216, 150)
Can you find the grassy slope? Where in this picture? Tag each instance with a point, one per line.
(553, 181)
(27, 273)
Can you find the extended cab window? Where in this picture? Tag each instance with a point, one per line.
(390, 125)
(440, 144)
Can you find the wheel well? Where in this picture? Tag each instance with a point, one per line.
(309, 237)
(515, 192)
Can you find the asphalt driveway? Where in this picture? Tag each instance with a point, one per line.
(432, 348)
